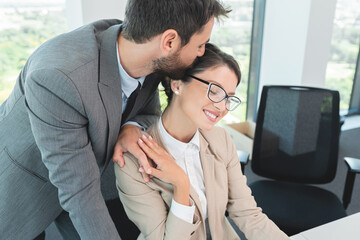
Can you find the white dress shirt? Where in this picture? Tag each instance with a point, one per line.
(187, 156)
(128, 85)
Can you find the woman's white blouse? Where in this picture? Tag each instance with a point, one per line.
(187, 156)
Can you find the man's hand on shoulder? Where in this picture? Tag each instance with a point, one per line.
(128, 142)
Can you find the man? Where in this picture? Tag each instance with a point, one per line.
(72, 104)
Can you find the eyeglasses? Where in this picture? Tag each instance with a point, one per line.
(216, 94)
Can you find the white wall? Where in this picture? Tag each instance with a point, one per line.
(318, 42)
(284, 41)
(296, 42)
(80, 12)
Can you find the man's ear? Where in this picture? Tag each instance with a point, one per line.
(170, 42)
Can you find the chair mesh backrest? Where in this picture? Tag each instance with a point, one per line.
(297, 134)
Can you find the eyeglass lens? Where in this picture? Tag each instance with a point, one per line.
(217, 94)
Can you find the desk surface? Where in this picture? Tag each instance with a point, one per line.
(345, 228)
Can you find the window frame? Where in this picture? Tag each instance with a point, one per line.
(255, 59)
(354, 106)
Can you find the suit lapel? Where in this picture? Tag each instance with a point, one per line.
(150, 84)
(110, 85)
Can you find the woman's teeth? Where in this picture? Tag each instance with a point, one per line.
(210, 114)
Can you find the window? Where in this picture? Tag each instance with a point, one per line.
(344, 51)
(233, 35)
(24, 25)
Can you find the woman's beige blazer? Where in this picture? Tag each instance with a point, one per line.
(148, 204)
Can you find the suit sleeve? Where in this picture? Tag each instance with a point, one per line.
(145, 206)
(59, 124)
(242, 207)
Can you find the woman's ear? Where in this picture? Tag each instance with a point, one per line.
(170, 42)
(176, 86)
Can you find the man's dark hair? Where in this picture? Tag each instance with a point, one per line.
(145, 19)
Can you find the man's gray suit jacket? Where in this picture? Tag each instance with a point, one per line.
(58, 129)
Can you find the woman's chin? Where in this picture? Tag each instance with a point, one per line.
(208, 126)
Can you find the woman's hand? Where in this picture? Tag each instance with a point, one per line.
(127, 141)
(166, 169)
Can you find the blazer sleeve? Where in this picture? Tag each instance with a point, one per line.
(242, 207)
(59, 125)
(145, 206)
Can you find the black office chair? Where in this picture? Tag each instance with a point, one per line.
(296, 144)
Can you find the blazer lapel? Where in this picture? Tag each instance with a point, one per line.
(208, 165)
(110, 85)
(194, 196)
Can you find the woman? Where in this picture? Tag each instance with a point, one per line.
(197, 175)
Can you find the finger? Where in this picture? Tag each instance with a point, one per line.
(151, 142)
(147, 150)
(141, 169)
(145, 176)
(157, 173)
(141, 156)
(118, 155)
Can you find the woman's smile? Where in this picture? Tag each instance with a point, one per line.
(212, 116)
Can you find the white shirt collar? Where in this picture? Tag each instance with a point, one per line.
(128, 83)
(176, 147)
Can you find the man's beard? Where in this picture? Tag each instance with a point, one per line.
(170, 66)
